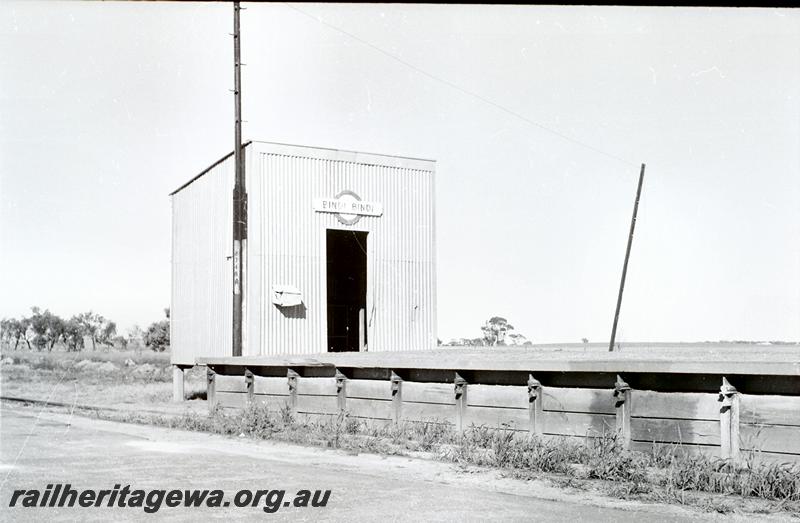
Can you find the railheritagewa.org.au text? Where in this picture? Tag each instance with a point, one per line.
(152, 500)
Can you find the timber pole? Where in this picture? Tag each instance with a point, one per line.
(625, 264)
(239, 192)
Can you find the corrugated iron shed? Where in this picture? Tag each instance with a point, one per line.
(287, 248)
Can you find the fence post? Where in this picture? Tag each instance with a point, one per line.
(397, 397)
(341, 391)
(622, 404)
(211, 393)
(249, 384)
(535, 406)
(460, 389)
(729, 421)
(291, 378)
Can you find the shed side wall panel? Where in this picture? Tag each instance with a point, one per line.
(200, 315)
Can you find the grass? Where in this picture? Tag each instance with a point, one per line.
(61, 360)
(756, 478)
(665, 474)
(109, 379)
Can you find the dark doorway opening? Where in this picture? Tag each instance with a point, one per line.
(347, 290)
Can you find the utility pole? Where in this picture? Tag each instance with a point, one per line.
(239, 192)
(625, 264)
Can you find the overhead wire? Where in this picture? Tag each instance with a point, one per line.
(462, 90)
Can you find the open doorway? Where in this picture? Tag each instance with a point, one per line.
(347, 290)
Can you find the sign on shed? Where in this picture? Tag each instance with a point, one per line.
(348, 207)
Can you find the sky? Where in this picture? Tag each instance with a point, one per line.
(538, 118)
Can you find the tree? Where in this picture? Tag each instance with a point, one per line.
(5, 330)
(99, 329)
(135, 336)
(517, 340)
(47, 328)
(157, 335)
(495, 330)
(107, 333)
(74, 331)
(14, 329)
(89, 325)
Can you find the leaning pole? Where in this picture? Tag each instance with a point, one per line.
(625, 263)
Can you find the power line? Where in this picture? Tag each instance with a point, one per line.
(461, 89)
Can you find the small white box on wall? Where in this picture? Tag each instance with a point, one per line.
(286, 295)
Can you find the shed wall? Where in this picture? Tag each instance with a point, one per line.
(201, 309)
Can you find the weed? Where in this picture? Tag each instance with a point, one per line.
(286, 415)
(257, 421)
(607, 459)
(431, 433)
(756, 478)
(506, 448)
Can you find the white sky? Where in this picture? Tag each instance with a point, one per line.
(107, 107)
